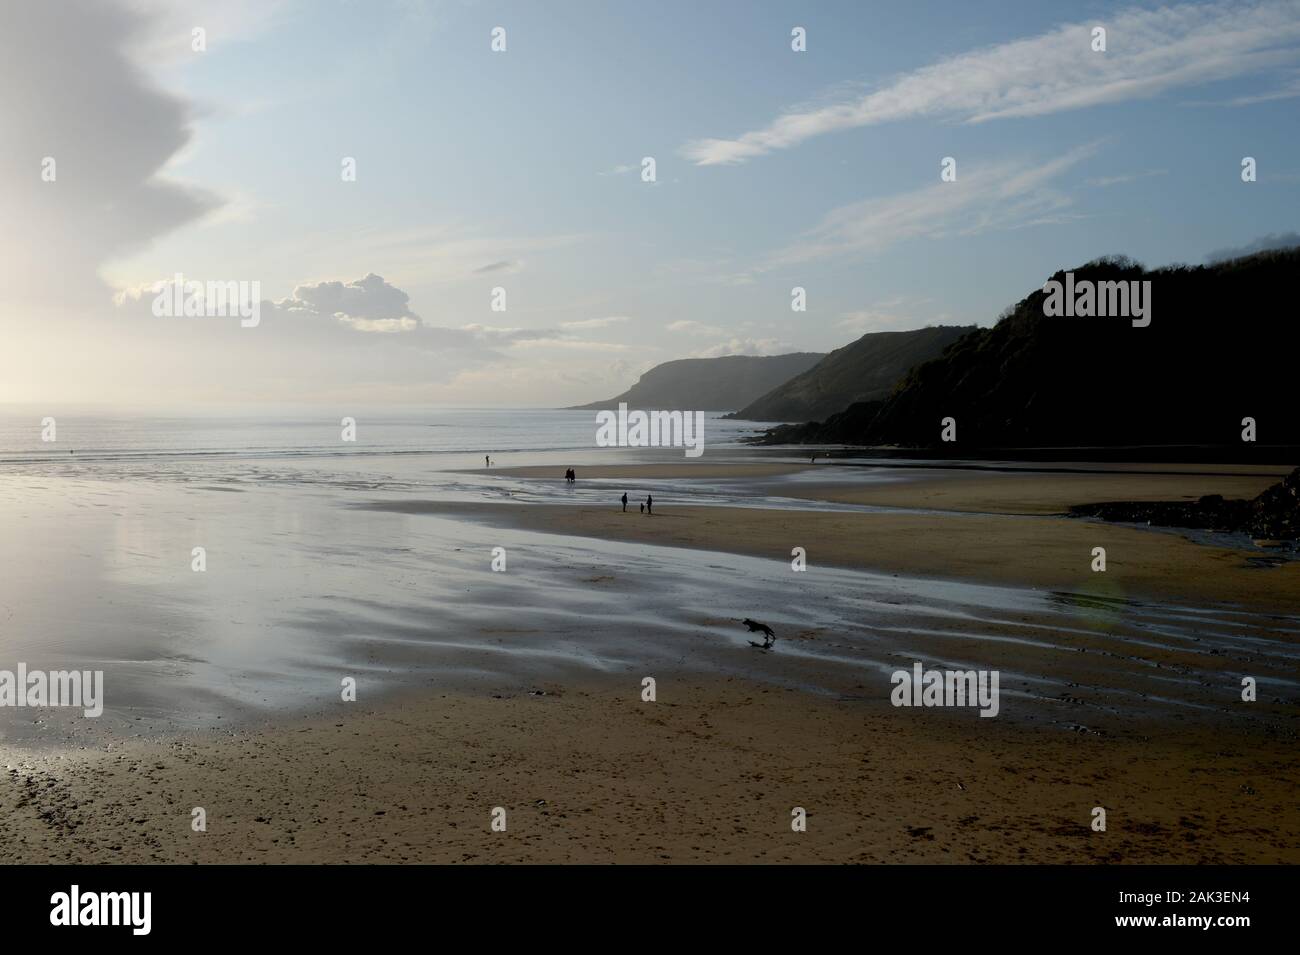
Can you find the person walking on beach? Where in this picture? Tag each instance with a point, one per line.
(625, 502)
(487, 462)
(649, 504)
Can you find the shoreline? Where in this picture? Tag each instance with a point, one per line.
(1002, 549)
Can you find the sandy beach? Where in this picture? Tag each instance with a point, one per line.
(710, 771)
(1005, 492)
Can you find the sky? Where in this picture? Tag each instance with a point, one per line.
(523, 169)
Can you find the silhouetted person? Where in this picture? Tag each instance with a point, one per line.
(649, 504)
(625, 502)
(573, 475)
(643, 507)
(487, 462)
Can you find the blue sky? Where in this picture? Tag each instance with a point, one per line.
(521, 169)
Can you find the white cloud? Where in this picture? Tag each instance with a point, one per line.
(746, 346)
(897, 313)
(1148, 52)
(368, 304)
(995, 196)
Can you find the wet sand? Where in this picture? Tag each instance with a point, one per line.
(708, 773)
(1040, 552)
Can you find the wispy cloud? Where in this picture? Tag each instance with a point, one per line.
(693, 328)
(443, 253)
(1267, 243)
(999, 195)
(574, 344)
(1104, 181)
(892, 314)
(745, 346)
(1148, 52)
(596, 322)
(1288, 90)
(505, 265)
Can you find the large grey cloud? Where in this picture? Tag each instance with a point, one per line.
(69, 90)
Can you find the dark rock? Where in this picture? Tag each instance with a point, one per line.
(1274, 515)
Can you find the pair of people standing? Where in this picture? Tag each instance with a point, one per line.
(646, 506)
(571, 476)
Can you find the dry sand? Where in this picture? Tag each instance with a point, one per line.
(1004, 492)
(709, 773)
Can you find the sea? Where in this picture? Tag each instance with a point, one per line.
(25, 437)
